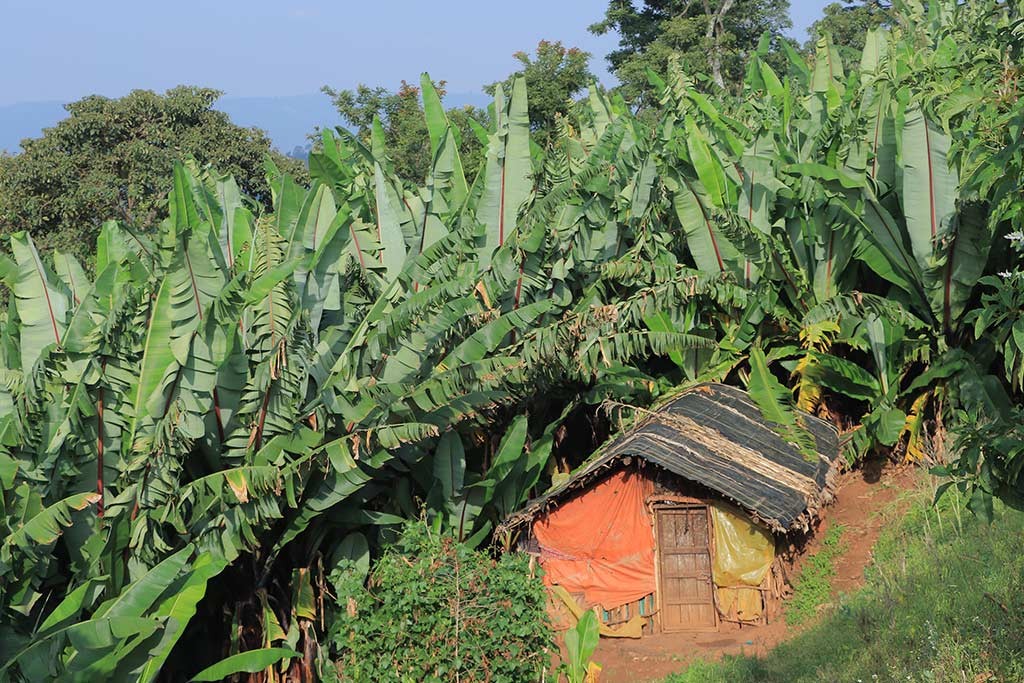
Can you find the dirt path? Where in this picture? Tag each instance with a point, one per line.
(863, 506)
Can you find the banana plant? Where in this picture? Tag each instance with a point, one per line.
(229, 406)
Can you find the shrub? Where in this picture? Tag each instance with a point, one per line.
(434, 610)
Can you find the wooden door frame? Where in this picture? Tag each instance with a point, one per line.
(681, 505)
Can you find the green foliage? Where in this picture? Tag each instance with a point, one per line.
(269, 388)
(847, 23)
(812, 587)
(111, 159)
(991, 454)
(580, 643)
(943, 601)
(404, 127)
(252, 661)
(553, 78)
(434, 610)
(276, 389)
(710, 38)
(776, 403)
(127, 637)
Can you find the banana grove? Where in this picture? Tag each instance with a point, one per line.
(201, 423)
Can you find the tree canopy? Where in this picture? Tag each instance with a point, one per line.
(712, 37)
(401, 118)
(553, 78)
(112, 158)
(848, 22)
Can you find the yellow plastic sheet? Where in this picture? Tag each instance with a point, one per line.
(743, 555)
(631, 629)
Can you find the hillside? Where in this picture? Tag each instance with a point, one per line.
(941, 601)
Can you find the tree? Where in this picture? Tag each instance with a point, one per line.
(405, 128)
(708, 37)
(552, 79)
(848, 22)
(112, 159)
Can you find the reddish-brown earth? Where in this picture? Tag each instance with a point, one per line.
(865, 500)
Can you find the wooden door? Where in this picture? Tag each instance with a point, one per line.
(685, 593)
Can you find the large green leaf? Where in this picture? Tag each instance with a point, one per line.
(230, 205)
(776, 403)
(179, 606)
(288, 199)
(446, 176)
(842, 376)
(138, 598)
(707, 165)
(760, 186)
(45, 526)
(929, 191)
(43, 302)
(71, 273)
(314, 223)
(117, 243)
(711, 250)
(508, 172)
(389, 209)
(99, 634)
(450, 464)
(252, 661)
(580, 643)
(881, 247)
(345, 478)
(828, 79)
(157, 359)
(489, 337)
(71, 606)
(168, 593)
(662, 322)
(960, 262)
(833, 252)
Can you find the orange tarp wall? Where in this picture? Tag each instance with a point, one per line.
(601, 543)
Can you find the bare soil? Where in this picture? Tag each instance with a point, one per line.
(866, 499)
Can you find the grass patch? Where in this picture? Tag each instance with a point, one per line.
(943, 601)
(812, 587)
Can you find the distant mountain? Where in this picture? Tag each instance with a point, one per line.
(287, 119)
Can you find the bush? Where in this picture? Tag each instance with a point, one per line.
(434, 610)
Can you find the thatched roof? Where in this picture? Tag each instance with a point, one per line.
(715, 435)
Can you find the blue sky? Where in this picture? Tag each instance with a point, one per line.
(65, 49)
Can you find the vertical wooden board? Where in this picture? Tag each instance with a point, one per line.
(700, 530)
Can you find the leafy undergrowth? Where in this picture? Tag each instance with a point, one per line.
(813, 586)
(435, 610)
(943, 601)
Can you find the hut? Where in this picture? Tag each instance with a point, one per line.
(680, 523)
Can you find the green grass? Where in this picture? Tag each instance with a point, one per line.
(812, 587)
(944, 601)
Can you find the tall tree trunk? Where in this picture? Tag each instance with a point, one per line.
(714, 33)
